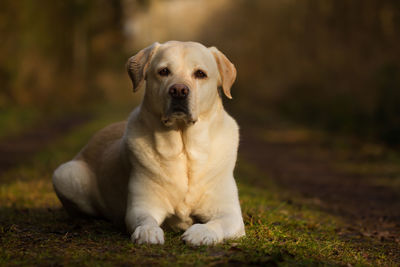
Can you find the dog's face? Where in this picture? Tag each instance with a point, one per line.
(182, 79)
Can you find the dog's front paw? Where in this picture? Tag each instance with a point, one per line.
(146, 234)
(200, 234)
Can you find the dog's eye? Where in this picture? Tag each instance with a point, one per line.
(199, 74)
(164, 72)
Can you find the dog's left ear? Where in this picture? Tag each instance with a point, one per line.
(226, 70)
(138, 64)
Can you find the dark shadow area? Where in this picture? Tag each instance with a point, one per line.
(18, 149)
(51, 223)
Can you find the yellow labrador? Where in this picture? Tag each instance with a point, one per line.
(172, 162)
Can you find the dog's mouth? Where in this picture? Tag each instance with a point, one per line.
(176, 113)
(179, 110)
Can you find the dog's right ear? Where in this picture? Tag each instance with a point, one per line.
(138, 64)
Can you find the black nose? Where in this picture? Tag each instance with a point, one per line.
(179, 91)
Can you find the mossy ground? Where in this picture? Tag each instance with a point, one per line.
(282, 228)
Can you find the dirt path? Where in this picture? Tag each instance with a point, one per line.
(17, 149)
(312, 168)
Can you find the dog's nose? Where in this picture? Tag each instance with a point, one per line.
(179, 91)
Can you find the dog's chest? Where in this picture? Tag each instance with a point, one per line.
(185, 161)
(183, 154)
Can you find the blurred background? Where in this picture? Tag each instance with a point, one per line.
(329, 64)
(317, 99)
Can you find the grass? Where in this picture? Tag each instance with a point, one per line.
(282, 229)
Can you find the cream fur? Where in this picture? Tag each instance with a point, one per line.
(158, 168)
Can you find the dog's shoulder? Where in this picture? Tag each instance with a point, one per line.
(227, 128)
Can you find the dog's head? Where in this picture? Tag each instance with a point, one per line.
(181, 78)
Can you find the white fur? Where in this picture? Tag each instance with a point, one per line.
(147, 172)
(72, 181)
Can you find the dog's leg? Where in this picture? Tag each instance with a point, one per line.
(219, 228)
(147, 231)
(144, 217)
(72, 181)
(223, 215)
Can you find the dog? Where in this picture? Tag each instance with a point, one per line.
(171, 163)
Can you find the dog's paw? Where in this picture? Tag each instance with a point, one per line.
(145, 234)
(200, 234)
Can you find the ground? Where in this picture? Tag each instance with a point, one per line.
(308, 198)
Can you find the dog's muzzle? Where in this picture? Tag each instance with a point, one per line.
(179, 104)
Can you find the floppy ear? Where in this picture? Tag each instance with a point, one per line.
(226, 70)
(137, 65)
